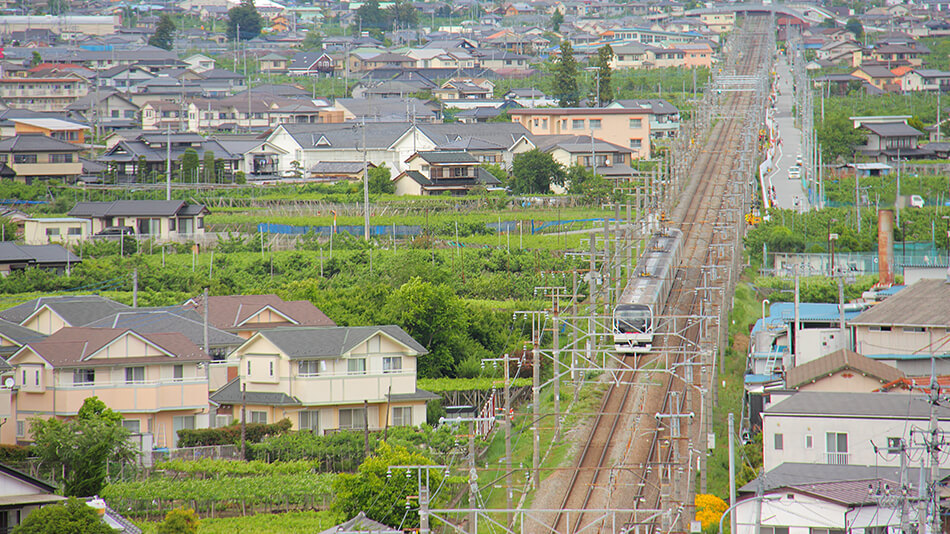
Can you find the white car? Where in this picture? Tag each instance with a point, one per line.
(798, 160)
(795, 173)
(916, 201)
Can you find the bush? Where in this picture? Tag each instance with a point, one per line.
(13, 453)
(231, 434)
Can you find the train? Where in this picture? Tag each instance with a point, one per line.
(634, 317)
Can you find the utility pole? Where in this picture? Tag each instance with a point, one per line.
(135, 286)
(732, 469)
(243, 421)
(366, 186)
(205, 302)
(536, 406)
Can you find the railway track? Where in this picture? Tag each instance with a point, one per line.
(702, 202)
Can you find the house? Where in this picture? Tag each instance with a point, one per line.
(502, 60)
(623, 127)
(907, 327)
(931, 80)
(70, 230)
(110, 109)
(273, 64)
(530, 98)
(147, 155)
(35, 156)
(156, 381)
(54, 258)
(820, 427)
(199, 63)
(841, 371)
(338, 171)
(609, 160)
(386, 110)
(310, 64)
(877, 76)
(665, 118)
(245, 315)
(719, 21)
(22, 494)
(124, 77)
(47, 315)
(68, 131)
(465, 89)
(327, 378)
(442, 172)
(43, 93)
(800, 498)
(888, 140)
(898, 54)
(695, 54)
(164, 220)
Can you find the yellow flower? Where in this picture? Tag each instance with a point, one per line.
(709, 509)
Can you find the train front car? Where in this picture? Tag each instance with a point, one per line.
(633, 328)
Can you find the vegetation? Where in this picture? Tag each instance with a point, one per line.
(604, 56)
(72, 517)
(164, 36)
(76, 452)
(179, 521)
(534, 172)
(565, 88)
(231, 434)
(292, 521)
(244, 22)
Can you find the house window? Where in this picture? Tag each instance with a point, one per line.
(270, 368)
(84, 377)
(201, 222)
(352, 418)
(134, 375)
(132, 425)
(636, 143)
(774, 530)
(392, 364)
(836, 448)
(171, 224)
(20, 429)
(618, 159)
(178, 372)
(402, 416)
(259, 417)
(309, 420)
(577, 124)
(24, 158)
(52, 232)
(74, 231)
(879, 328)
(356, 366)
(60, 158)
(182, 422)
(249, 367)
(222, 420)
(809, 442)
(779, 442)
(913, 330)
(595, 124)
(308, 367)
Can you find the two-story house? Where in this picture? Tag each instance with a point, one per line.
(245, 315)
(35, 156)
(43, 93)
(887, 140)
(606, 159)
(624, 127)
(326, 378)
(664, 118)
(158, 382)
(46, 315)
(843, 428)
(159, 219)
(442, 172)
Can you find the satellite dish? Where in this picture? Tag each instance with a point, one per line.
(8, 382)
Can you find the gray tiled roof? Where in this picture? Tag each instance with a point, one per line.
(19, 334)
(892, 129)
(132, 208)
(497, 133)
(379, 135)
(10, 252)
(443, 157)
(186, 322)
(332, 341)
(231, 394)
(796, 474)
(75, 309)
(36, 142)
(926, 303)
(868, 405)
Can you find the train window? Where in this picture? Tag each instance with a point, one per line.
(632, 320)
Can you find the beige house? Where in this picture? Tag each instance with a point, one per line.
(35, 156)
(164, 220)
(21, 494)
(69, 230)
(43, 94)
(624, 127)
(47, 315)
(158, 382)
(326, 378)
(245, 315)
(719, 22)
(844, 371)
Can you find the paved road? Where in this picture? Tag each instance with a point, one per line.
(789, 193)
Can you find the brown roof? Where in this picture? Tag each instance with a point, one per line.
(926, 303)
(231, 311)
(72, 347)
(838, 361)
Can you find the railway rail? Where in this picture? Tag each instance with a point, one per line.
(651, 461)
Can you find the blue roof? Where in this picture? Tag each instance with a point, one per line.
(761, 379)
(922, 356)
(890, 291)
(809, 311)
(772, 324)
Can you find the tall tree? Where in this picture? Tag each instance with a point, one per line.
(380, 180)
(208, 166)
(35, 58)
(164, 36)
(57, 7)
(370, 16)
(189, 165)
(78, 450)
(534, 172)
(247, 18)
(73, 516)
(556, 20)
(402, 14)
(854, 26)
(565, 77)
(313, 41)
(604, 56)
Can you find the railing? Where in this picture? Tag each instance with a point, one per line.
(836, 458)
(227, 452)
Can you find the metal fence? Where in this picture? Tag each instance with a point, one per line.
(856, 263)
(214, 452)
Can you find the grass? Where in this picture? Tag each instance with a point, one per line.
(259, 523)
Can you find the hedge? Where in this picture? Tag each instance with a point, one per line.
(231, 434)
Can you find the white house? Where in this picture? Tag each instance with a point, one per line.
(818, 427)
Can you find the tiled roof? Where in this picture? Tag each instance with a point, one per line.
(837, 361)
(231, 311)
(926, 303)
(333, 341)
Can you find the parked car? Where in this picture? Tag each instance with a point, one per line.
(798, 160)
(795, 173)
(114, 232)
(916, 201)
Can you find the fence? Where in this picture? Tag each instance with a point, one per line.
(856, 263)
(213, 452)
(403, 230)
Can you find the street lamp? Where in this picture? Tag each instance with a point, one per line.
(764, 302)
(831, 243)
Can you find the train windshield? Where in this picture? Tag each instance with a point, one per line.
(632, 319)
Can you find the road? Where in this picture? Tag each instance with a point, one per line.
(789, 193)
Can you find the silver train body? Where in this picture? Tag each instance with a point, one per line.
(634, 320)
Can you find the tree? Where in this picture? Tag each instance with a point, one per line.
(164, 36)
(380, 491)
(604, 56)
(35, 59)
(179, 521)
(370, 15)
(296, 170)
(565, 77)
(854, 26)
(402, 14)
(208, 165)
(592, 188)
(57, 7)
(556, 20)
(79, 449)
(534, 172)
(8, 229)
(313, 41)
(838, 136)
(189, 164)
(72, 517)
(247, 18)
(380, 180)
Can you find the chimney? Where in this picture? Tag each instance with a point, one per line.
(885, 247)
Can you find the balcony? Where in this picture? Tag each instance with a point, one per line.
(836, 458)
